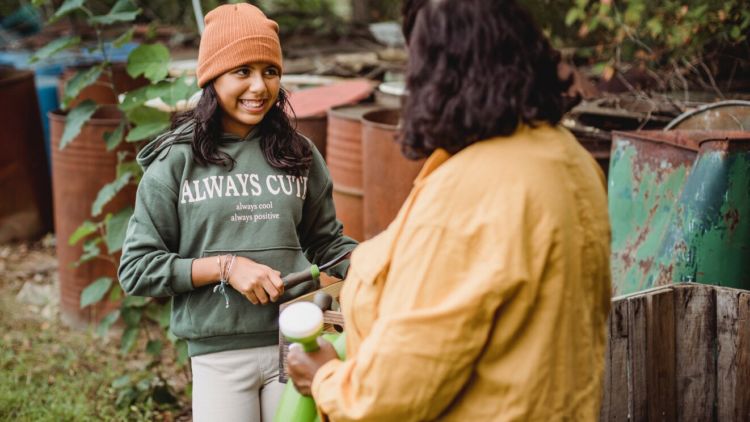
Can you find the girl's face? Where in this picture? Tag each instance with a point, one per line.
(246, 93)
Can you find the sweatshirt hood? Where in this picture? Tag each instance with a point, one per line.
(159, 147)
(152, 150)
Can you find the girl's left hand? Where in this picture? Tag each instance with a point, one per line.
(303, 366)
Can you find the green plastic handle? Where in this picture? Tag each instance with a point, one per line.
(293, 279)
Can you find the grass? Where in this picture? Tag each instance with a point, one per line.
(49, 372)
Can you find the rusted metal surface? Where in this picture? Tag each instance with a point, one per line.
(679, 204)
(311, 106)
(78, 173)
(344, 157)
(315, 128)
(388, 175)
(722, 115)
(26, 208)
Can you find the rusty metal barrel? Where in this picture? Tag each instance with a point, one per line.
(388, 176)
(344, 157)
(678, 201)
(314, 127)
(26, 210)
(79, 171)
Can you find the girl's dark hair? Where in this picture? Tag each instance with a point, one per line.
(477, 69)
(283, 148)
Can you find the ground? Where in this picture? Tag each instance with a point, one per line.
(49, 372)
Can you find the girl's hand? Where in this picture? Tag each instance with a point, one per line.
(257, 282)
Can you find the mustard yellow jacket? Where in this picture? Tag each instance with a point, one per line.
(487, 297)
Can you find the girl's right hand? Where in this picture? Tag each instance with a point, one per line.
(257, 282)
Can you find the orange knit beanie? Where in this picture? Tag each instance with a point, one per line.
(236, 34)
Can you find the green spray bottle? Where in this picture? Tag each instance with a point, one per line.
(302, 323)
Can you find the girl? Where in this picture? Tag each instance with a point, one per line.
(231, 198)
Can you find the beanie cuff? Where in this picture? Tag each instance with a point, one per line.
(246, 50)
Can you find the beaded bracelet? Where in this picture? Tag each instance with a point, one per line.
(225, 270)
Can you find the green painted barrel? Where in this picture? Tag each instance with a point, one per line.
(679, 203)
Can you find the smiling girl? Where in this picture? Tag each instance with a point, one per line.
(231, 199)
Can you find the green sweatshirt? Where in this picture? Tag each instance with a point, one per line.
(185, 210)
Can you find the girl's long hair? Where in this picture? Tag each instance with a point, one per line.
(283, 148)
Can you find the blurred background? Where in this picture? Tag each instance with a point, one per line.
(85, 83)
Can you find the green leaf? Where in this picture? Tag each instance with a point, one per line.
(182, 352)
(116, 228)
(634, 12)
(108, 192)
(149, 60)
(115, 294)
(145, 115)
(154, 347)
(142, 132)
(130, 166)
(67, 7)
(171, 92)
(95, 291)
(149, 122)
(54, 47)
(735, 32)
(698, 11)
(85, 229)
(90, 251)
(135, 302)
(573, 16)
(123, 39)
(113, 139)
(129, 338)
(108, 321)
(121, 382)
(79, 82)
(38, 3)
(134, 99)
(159, 313)
(75, 120)
(131, 315)
(122, 11)
(654, 26)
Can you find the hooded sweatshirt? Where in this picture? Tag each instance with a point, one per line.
(185, 210)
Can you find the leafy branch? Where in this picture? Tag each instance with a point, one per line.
(102, 235)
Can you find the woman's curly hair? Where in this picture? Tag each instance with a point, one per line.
(477, 69)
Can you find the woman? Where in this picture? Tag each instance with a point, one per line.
(230, 200)
(487, 297)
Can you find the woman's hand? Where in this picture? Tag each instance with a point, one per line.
(257, 282)
(303, 366)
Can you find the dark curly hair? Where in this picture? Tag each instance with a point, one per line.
(283, 148)
(477, 69)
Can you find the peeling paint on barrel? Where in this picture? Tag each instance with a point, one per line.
(677, 201)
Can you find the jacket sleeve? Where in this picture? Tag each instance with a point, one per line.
(321, 234)
(434, 320)
(149, 265)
